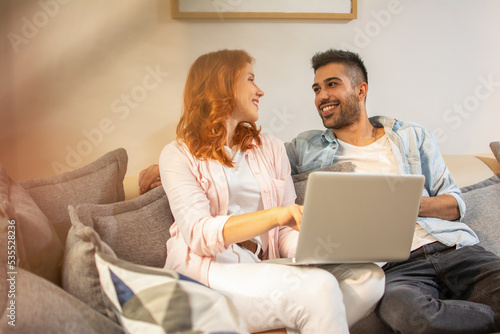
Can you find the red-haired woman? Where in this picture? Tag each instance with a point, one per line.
(232, 196)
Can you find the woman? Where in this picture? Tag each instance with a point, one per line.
(232, 196)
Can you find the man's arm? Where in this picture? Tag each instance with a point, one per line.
(444, 199)
(443, 207)
(149, 178)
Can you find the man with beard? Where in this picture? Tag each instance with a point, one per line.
(449, 284)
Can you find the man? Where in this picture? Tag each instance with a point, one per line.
(449, 284)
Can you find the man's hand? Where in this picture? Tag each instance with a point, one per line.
(149, 178)
(443, 207)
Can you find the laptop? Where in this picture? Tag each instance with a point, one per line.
(357, 218)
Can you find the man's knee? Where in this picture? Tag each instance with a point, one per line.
(406, 312)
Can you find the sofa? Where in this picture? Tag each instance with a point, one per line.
(82, 251)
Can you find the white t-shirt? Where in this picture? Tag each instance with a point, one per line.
(378, 158)
(244, 197)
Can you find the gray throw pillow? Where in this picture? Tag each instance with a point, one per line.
(38, 249)
(98, 182)
(79, 272)
(42, 307)
(483, 213)
(488, 182)
(300, 180)
(495, 148)
(136, 230)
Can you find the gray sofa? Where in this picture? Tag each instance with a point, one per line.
(62, 222)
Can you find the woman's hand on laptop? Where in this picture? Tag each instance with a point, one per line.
(290, 216)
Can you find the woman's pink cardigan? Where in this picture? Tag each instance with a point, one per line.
(198, 194)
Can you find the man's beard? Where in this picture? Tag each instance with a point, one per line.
(347, 114)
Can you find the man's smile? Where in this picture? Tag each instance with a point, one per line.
(328, 108)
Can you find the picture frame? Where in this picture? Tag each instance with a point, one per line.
(264, 9)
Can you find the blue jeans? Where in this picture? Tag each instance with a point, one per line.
(440, 289)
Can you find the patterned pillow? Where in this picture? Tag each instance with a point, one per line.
(152, 300)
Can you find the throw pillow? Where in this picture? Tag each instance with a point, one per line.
(152, 300)
(42, 307)
(79, 273)
(488, 182)
(300, 180)
(483, 213)
(495, 148)
(38, 249)
(98, 182)
(136, 230)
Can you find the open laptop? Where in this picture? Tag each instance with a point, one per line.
(357, 218)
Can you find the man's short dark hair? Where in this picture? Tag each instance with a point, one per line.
(354, 67)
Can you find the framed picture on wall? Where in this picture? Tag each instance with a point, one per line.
(265, 9)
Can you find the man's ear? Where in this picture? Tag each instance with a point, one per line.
(362, 90)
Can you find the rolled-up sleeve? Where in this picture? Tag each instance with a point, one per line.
(439, 180)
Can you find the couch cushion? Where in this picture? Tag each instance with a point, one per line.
(38, 249)
(98, 182)
(79, 273)
(152, 300)
(42, 307)
(483, 212)
(136, 230)
(495, 148)
(300, 180)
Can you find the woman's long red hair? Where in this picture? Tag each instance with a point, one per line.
(209, 100)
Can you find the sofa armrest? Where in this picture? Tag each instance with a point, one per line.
(468, 169)
(490, 161)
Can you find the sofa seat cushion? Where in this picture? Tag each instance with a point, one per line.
(153, 300)
(136, 230)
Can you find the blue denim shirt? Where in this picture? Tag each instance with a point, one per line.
(416, 151)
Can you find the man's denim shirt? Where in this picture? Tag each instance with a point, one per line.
(417, 153)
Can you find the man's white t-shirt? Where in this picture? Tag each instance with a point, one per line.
(378, 158)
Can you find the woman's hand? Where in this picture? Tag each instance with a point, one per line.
(246, 226)
(290, 216)
(149, 178)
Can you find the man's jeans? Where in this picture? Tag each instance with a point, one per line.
(441, 289)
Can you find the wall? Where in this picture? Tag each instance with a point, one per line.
(80, 77)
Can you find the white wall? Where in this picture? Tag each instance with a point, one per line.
(79, 69)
